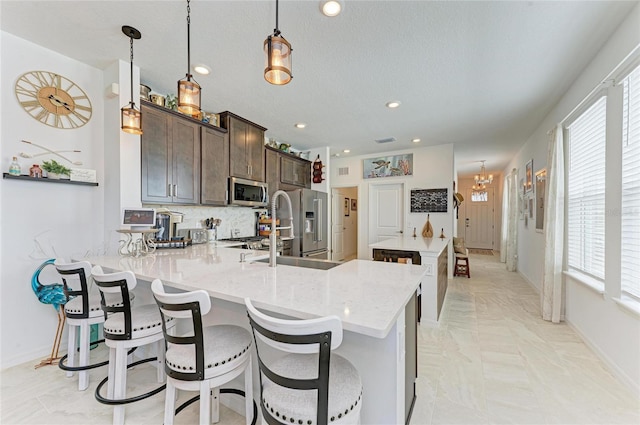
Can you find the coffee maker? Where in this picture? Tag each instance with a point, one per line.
(167, 222)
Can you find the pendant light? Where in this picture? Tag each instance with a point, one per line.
(130, 116)
(189, 92)
(278, 55)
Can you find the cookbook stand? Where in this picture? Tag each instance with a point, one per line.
(142, 246)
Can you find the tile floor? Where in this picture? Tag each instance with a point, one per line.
(492, 360)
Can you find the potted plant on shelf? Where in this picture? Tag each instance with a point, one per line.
(55, 170)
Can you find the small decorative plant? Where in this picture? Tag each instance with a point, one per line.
(55, 167)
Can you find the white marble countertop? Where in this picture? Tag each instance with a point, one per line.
(409, 243)
(367, 295)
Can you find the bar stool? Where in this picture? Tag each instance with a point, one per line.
(461, 266)
(82, 310)
(308, 384)
(127, 328)
(203, 359)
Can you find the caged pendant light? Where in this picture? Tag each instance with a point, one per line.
(189, 92)
(130, 116)
(278, 55)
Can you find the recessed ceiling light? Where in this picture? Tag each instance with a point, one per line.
(393, 104)
(300, 125)
(202, 69)
(415, 140)
(331, 8)
(336, 154)
(346, 151)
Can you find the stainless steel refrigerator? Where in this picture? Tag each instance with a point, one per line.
(310, 223)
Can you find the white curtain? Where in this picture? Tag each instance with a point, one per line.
(552, 289)
(512, 225)
(505, 220)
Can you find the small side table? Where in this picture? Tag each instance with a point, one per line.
(143, 246)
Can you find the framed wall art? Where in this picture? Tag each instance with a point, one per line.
(528, 175)
(429, 200)
(388, 166)
(354, 204)
(541, 181)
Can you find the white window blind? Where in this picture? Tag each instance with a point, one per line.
(585, 191)
(630, 272)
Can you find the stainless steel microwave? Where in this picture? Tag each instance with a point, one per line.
(248, 193)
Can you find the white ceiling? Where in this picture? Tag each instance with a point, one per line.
(480, 74)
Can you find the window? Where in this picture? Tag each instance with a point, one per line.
(585, 191)
(630, 272)
(479, 196)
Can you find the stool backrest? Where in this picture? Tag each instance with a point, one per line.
(307, 336)
(187, 308)
(75, 280)
(116, 287)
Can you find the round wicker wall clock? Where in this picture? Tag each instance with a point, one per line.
(53, 99)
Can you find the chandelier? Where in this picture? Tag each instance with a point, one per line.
(482, 179)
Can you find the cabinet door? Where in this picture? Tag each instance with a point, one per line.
(302, 173)
(186, 162)
(255, 153)
(157, 166)
(295, 172)
(272, 171)
(238, 148)
(215, 167)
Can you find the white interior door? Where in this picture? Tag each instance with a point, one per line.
(337, 226)
(386, 206)
(478, 220)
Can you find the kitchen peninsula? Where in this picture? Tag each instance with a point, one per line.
(374, 300)
(432, 254)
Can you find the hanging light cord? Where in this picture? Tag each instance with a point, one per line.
(188, 41)
(131, 70)
(276, 31)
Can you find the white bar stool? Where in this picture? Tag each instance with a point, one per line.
(125, 328)
(82, 310)
(301, 381)
(203, 359)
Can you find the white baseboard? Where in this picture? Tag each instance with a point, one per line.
(34, 356)
(526, 279)
(613, 368)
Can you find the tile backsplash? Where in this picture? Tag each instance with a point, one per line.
(240, 219)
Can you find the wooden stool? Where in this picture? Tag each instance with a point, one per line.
(461, 268)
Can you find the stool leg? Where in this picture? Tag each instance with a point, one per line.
(468, 269)
(215, 405)
(248, 393)
(83, 375)
(160, 361)
(205, 403)
(71, 348)
(169, 403)
(120, 385)
(111, 373)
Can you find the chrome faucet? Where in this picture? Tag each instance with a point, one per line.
(272, 236)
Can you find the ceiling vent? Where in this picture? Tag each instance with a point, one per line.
(343, 171)
(387, 140)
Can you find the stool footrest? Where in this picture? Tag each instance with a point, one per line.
(222, 391)
(63, 359)
(109, 401)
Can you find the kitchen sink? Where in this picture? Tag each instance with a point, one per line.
(307, 263)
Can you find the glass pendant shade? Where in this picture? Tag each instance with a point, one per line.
(278, 60)
(188, 96)
(131, 119)
(130, 116)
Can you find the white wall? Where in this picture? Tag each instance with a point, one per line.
(611, 331)
(433, 168)
(43, 220)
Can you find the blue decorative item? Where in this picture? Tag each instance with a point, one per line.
(50, 294)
